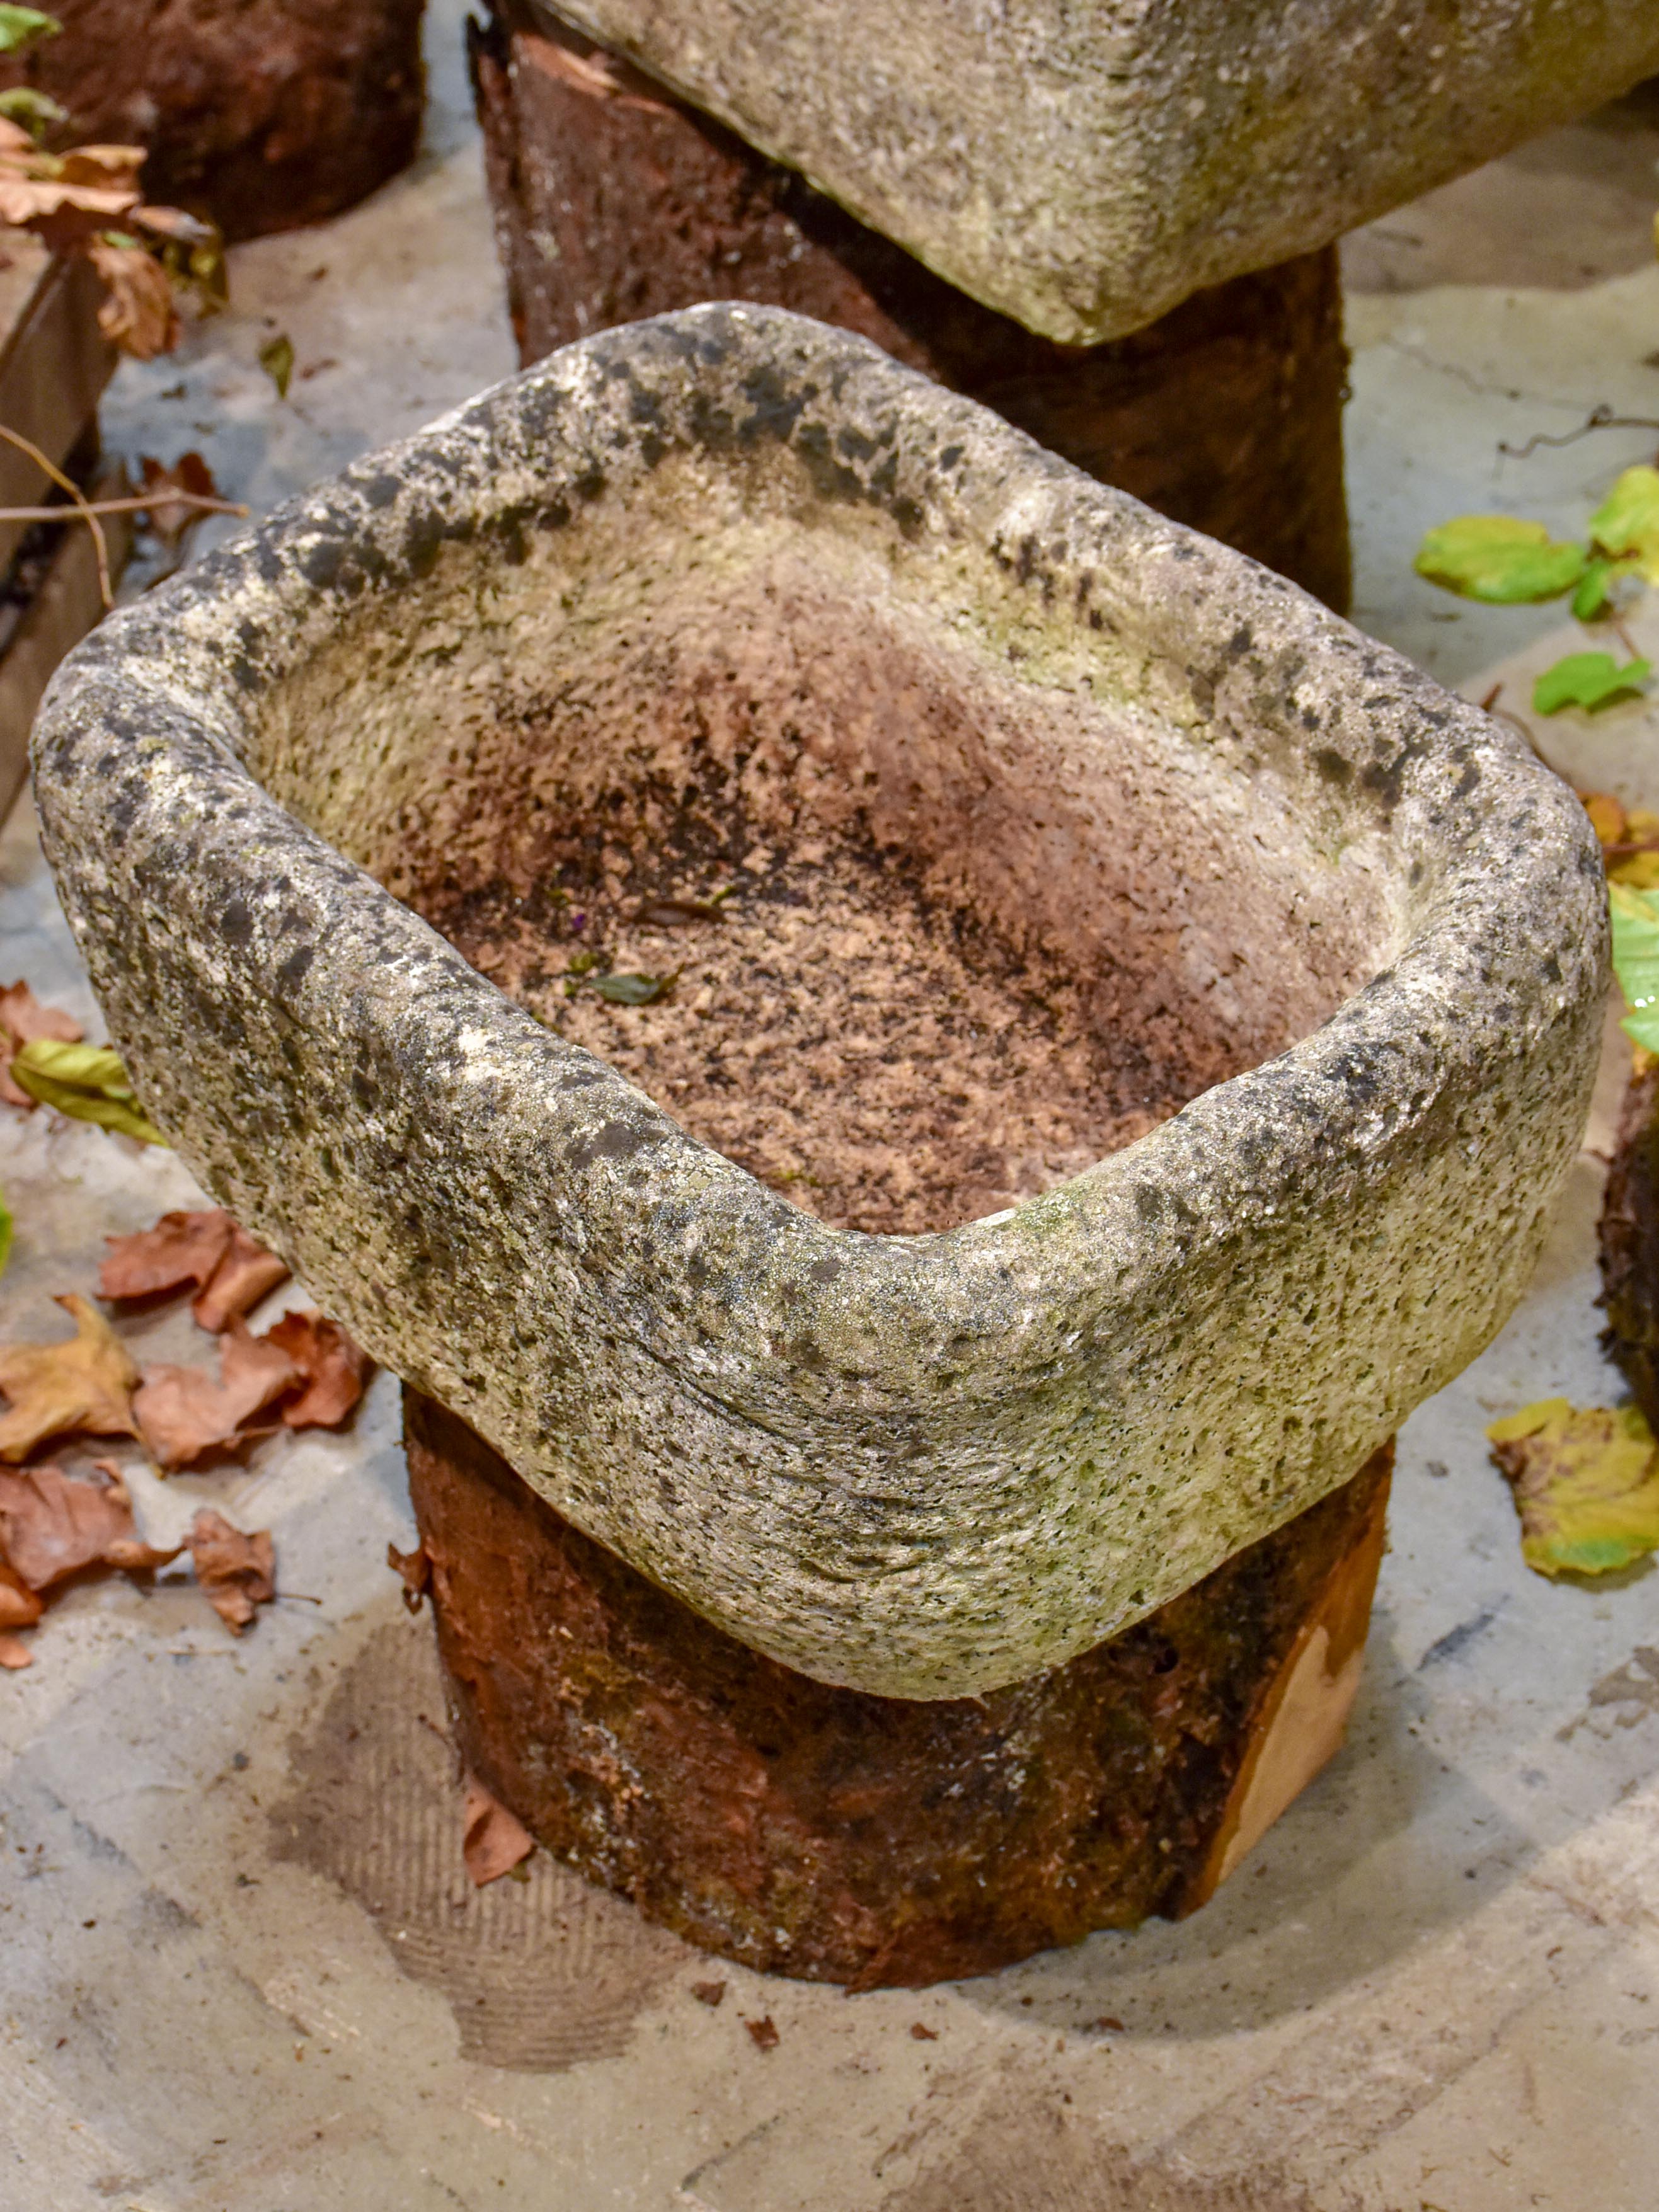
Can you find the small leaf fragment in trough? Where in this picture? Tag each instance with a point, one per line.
(85, 1081)
(1588, 680)
(631, 990)
(85, 1383)
(276, 359)
(24, 1020)
(182, 1412)
(1635, 959)
(1586, 1484)
(493, 1840)
(52, 1526)
(1499, 558)
(237, 1571)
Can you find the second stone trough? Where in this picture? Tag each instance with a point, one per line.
(915, 1066)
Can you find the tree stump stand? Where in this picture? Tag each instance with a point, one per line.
(261, 114)
(615, 200)
(820, 1833)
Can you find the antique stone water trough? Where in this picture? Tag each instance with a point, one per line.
(915, 1066)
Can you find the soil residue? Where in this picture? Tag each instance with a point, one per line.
(887, 1063)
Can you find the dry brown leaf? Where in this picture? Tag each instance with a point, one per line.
(170, 518)
(763, 2032)
(86, 1383)
(206, 1250)
(13, 1652)
(52, 1526)
(22, 1020)
(138, 315)
(493, 1840)
(334, 1367)
(181, 1250)
(19, 1606)
(237, 1571)
(101, 169)
(416, 1569)
(242, 1278)
(182, 1412)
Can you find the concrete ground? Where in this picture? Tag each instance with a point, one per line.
(241, 1968)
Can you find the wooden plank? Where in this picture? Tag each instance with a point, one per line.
(54, 362)
(66, 606)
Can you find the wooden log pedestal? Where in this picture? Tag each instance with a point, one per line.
(834, 1836)
(616, 200)
(262, 114)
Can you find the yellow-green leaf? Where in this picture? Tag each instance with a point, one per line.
(22, 26)
(1499, 558)
(1588, 680)
(5, 1232)
(86, 1082)
(276, 359)
(1586, 1484)
(1635, 916)
(1627, 521)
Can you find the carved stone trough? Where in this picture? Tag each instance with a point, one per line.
(1179, 1011)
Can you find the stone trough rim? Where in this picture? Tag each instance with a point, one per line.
(146, 700)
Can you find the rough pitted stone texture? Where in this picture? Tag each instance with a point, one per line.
(1083, 168)
(263, 114)
(743, 559)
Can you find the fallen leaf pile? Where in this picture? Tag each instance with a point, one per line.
(303, 1372)
(1586, 1484)
(88, 201)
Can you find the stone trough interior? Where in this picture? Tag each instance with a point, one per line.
(929, 939)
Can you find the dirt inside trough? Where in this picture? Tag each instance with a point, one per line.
(886, 1062)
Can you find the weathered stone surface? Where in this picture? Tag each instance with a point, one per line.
(817, 1832)
(1084, 169)
(263, 114)
(737, 564)
(614, 200)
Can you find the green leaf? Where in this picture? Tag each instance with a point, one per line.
(632, 990)
(1627, 521)
(88, 1083)
(1587, 680)
(22, 26)
(5, 1232)
(276, 359)
(1499, 558)
(1635, 959)
(1586, 1485)
(34, 111)
(1591, 599)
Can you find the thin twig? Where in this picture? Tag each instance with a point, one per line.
(1599, 418)
(1489, 705)
(101, 544)
(93, 507)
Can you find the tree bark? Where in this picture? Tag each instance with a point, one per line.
(260, 114)
(615, 200)
(827, 1834)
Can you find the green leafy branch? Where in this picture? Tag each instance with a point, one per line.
(1503, 560)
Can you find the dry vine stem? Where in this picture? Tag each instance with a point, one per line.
(90, 511)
